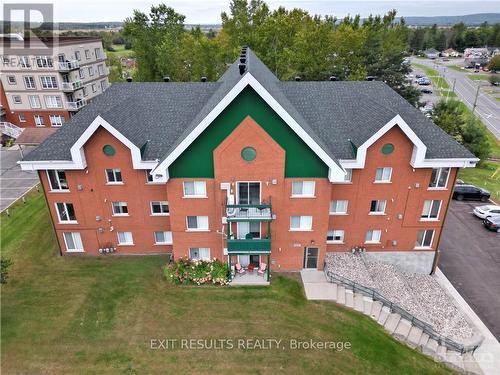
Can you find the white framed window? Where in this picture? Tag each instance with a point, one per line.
(57, 180)
(335, 236)
(199, 253)
(90, 70)
(87, 54)
(81, 73)
(114, 176)
(78, 55)
(301, 223)
(159, 208)
(73, 242)
(84, 91)
(303, 189)
(163, 238)
(338, 207)
(439, 178)
(431, 210)
(195, 189)
(383, 174)
(22, 117)
(29, 82)
(100, 69)
(94, 87)
(125, 238)
(373, 236)
(65, 212)
(56, 120)
(119, 208)
(44, 62)
(48, 82)
(53, 101)
(17, 99)
(424, 239)
(377, 207)
(39, 121)
(103, 85)
(197, 223)
(11, 80)
(34, 101)
(24, 61)
(97, 52)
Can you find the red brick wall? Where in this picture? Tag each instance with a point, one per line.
(95, 200)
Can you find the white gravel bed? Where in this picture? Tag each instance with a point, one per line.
(420, 295)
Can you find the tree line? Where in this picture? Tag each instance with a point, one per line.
(290, 42)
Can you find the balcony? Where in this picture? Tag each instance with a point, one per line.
(67, 66)
(75, 106)
(249, 212)
(72, 86)
(249, 246)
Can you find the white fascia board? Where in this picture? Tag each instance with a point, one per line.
(418, 155)
(78, 155)
(335, 172)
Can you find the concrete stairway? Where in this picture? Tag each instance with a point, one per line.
(318, 288)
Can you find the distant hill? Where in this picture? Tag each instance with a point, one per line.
(468, 19)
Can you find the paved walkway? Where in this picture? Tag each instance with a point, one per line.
(316, 287)
(14, 182)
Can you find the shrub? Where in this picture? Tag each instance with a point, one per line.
(187, 271)
(4, 267)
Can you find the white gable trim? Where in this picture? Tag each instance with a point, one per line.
(78, 156)
(418, 155)
(336, 173)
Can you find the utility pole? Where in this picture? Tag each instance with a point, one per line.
(475, 99)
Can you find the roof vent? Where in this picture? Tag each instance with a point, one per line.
(297, 78)
(243, 59)
(129, 79)
(242, 68)
(370, 78)
(203, 79)
(333, 78)
(166, 79)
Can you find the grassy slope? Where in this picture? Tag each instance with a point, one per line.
(485, 176)
(98, 315)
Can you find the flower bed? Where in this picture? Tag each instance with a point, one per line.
(198, 272)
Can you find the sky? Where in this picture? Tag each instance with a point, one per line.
(208, 11)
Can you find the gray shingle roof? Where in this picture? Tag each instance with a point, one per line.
(334, 114)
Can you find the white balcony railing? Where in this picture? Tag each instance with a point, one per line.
(68, 65)
(72, 86)
(75, 106)
(10, 129)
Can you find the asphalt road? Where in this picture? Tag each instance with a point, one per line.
(470, 259)
(13, 181)
(487, 108)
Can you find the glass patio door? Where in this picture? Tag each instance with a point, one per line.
(248, 192)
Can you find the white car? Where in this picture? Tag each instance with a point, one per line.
(489, 210)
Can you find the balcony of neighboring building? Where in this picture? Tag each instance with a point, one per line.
(76, 106)
(67, 66)
(72, 86)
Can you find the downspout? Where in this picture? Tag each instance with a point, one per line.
(438, 253)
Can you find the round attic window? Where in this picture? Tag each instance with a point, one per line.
(108, 150)
(387, 149)
(248, 153)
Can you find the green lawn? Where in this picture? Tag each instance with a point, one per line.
(478, 77)
(456, 67)
(75, 315)
(120, 51)
(487, 175)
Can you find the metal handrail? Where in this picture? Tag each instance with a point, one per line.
(425, 327)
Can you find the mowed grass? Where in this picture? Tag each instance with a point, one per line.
(478, 77)
(486, 175)
(76, 315)
(120, 51)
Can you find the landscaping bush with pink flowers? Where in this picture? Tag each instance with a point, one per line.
(198, 272)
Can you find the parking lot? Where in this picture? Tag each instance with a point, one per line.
(470, 259)
(13, 182)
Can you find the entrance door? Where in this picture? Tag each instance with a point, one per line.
(248, 229)
(311, 257)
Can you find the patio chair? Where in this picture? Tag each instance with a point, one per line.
(262, 269)
(239, 269)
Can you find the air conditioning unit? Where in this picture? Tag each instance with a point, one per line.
(394, 242)
(224, 220)
(224, 251)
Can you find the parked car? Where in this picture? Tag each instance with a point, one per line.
(424, 81)
(419, 76)
(426, 90)
(490, 210)
(472, 192)
(492, 223)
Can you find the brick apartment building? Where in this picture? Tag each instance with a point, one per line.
(251, 169)
(43, 82)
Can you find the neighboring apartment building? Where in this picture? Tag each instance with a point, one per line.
(250, 169)
(45, 84)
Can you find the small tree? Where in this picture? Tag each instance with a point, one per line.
(494, 63)
(475, 138)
